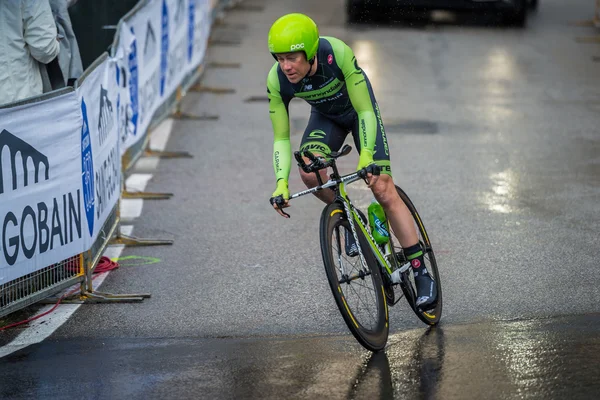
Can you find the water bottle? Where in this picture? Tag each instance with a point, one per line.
(378, 222)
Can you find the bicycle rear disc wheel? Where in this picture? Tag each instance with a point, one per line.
(430, 317)
(357, 288)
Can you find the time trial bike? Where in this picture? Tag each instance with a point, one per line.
(366, 284)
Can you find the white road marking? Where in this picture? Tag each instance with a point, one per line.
(147, 163)
(42, 328)
(160, 134)
(137, 182)
(158, 141)
(131, 208)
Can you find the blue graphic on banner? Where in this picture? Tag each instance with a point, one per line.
(192, 13)
(164, 56)
(87, 169)
(133, 83)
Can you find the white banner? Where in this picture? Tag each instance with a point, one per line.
(158, 46)
(60, 159)
(42, 213)
(99, 99)
(201, 31)
(128, 77)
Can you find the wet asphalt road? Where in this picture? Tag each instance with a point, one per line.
(494, 133)
(541, 359)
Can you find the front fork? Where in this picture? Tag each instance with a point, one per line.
(355, 235)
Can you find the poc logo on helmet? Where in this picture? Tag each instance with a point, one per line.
(298, 46)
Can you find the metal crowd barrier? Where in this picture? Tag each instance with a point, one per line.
(78, 270)
(29, 289)
(170, 105)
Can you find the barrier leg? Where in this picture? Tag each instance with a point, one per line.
(167, 154)
(207, 89)
(224, 65)
(118, 238)
(588, 39)
(178, 114)
(91, 296)
(247, 7)
(131, 241)
(146, 195)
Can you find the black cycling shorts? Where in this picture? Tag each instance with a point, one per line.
(327, 133)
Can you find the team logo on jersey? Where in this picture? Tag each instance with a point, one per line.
(317, 134)
(330, 59)
(308, 87)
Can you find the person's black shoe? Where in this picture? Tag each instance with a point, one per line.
(351, 247)
(426, 290)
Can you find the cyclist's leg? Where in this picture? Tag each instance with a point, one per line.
(398, 214)
(321, 137)
(384, 189)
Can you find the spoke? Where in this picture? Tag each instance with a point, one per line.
(348, 260)
(360, 293)
(362, 301)
(366, 309)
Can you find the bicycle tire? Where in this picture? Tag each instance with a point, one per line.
(375, 339)
(431, 317)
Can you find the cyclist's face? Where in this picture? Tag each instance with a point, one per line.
(294, 65)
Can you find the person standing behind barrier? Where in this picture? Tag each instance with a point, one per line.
(69, 57)
(28, 37)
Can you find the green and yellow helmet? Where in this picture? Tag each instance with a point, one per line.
(294, 32)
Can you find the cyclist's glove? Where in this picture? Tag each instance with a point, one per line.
(365, 159)
(282, 189)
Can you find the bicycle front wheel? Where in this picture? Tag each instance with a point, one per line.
(355, 285)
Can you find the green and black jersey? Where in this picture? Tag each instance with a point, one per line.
(340, 95)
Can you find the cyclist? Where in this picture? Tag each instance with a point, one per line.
(324, 72)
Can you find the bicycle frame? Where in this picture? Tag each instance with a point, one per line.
(353, 217)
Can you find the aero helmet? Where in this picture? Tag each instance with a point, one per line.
(294, 32)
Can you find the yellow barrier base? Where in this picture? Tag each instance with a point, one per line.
(125, 240)
(588, 39)
(204, 89)
(224, 65)
(146, 195)
(224, 42)
(99, 297)
(247, 7)
(181, 115)
(167, 154)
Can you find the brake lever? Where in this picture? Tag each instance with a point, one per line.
(310, 156)
(364, 175)
(301, 162)
(279, 201)
(373, 169)
(317, 162)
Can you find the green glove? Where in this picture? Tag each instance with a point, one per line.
(366, 158)
(282, 189)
